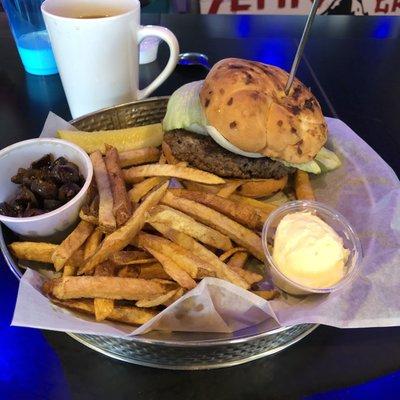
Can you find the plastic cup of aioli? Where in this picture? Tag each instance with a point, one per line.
(331, 217)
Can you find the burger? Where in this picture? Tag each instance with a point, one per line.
(240, 125)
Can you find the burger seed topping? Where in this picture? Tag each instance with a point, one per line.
(236, 66)
(249, 78)
(280, 123)
(233, 125)
(296, 92)
(298, 144)
(230, 101)
(295, 110)
(207, 103)
(309, 104)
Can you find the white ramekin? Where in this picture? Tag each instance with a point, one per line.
(21, 155)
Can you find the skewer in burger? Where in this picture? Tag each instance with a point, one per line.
(239, 124)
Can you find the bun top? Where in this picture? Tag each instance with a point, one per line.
(245, 101)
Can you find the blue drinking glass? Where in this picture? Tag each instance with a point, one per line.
(30, 36)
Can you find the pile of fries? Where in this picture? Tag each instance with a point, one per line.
(141, 244)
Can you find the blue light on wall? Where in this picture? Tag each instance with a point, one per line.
(243, 25)
(383, 28)
(274, 51)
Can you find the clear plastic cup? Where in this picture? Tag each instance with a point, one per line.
(336, 221)
(30, 36)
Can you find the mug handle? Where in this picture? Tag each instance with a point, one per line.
(166, 35)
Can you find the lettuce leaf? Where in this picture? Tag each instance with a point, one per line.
(311, 167)
(184, 109)
(325, 160)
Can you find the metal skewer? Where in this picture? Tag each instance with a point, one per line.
(300, 49)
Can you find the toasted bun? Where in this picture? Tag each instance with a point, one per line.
(245, 101)
(255, 188)
(261, 187)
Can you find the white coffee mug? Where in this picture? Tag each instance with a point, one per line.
(95, 44)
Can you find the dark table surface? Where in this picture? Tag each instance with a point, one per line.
(352, 65)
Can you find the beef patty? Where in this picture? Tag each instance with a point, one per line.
(203, 153)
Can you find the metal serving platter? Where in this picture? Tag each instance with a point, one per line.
(171, 350)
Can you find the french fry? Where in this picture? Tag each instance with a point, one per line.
(71, 244)
(162, 159)
(172, 269)
(249, 276)
(172, 171)
(302, 186)
(218, 268)
(128, 272)
(229, 188)
(129, 315)
(126, 257)
(77, 258)
(231, 252)
(238, 260)
(242, 213)
(141, 189)
(90, 211)
(90, 195)
(178, 294)
(142, 261)
(106, 216)
(152, 271)
(122, 207)
(183, 223)
(132, 138)
(71, 266)
(92, 243)
(203, 273)
(88, 218)
(262, 208)
(201, 187)
(105, 269)
(156, 301)
(94, 206)
(138, 156)
(249, 187)
(262, 187)
(267, 294)
(168, 283)
(103, 307)
(124, 235)
(33, 251)
(106, 287)
(168, 153)
(277, 199)
(238, 233)
(69, 270)
(185, 260)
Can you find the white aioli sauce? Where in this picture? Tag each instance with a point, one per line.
(308, 251)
